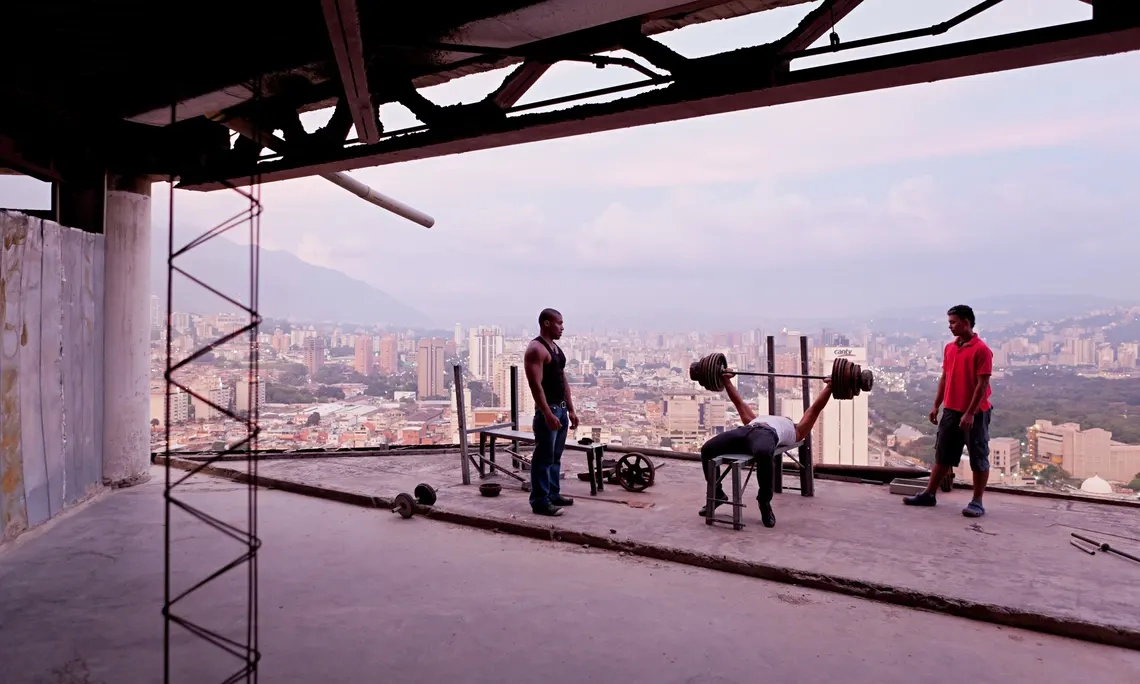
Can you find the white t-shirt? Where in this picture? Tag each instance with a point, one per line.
(784, 427)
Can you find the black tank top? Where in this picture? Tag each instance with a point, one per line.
(552, 385)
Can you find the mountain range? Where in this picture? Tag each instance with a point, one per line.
(296, 290)
(996, 311)
(289, 287)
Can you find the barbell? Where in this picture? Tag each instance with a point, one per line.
(847, 378)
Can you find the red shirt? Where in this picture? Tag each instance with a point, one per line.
(963, 365)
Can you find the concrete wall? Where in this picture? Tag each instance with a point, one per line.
(51, 370)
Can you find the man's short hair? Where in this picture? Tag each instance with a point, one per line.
(962, 311)
(548, 315)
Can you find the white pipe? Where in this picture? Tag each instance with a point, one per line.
(383, 201)
(272, 142)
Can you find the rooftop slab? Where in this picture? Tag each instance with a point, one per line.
(356, 595)
(1014, 566)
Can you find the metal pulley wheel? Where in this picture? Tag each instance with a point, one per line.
(634, 472)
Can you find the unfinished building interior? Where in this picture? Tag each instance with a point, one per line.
(105, 100)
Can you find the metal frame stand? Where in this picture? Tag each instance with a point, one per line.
(244, 648)
(807, 472)
(734, 463)
(461, 410)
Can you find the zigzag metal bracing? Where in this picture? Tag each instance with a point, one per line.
(242, 644)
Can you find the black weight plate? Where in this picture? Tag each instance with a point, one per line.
(837, 384)
(718, 365)
(425, 495)
(404, 505)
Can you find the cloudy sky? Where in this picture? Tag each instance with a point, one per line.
(1021, 182)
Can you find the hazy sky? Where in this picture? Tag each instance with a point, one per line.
(1020, 182)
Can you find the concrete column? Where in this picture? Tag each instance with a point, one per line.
(126, 337)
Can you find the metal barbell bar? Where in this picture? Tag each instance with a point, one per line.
(847, 378)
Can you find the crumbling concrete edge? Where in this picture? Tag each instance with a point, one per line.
(883, 593)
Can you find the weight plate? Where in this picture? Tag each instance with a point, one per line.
(404, 505)
(838, 379)
(425, 495)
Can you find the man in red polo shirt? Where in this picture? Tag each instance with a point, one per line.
(964, 396)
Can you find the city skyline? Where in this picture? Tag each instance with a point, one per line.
(632, 390)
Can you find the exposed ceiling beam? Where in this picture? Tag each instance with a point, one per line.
(710, 90)
(517, 83)
(16, 157)
(815, 25)
(270, 141)
(657, 54)
(343, 22)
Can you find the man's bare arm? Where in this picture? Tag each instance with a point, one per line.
(747, 415)
(532, 364)
(566, 389)
(979, 394)
(807, 422)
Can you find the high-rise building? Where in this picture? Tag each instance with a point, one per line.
(429, 368)
(486, 344)
(216, 393)
(690, 419)
(1083, 453)
(501, 378)
(389, 356)
(788, 362)
(1126, 354)
(179, 405)
(458, 335)
(314, 355)
(242, 391)
(363, 361)
(156, 313)
(841, 433)
(180, 321)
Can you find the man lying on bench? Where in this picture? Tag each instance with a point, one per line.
(759, 437)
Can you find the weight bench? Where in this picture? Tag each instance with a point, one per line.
(487, 464)
(721, 466)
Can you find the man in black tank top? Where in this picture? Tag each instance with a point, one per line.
(545, 366)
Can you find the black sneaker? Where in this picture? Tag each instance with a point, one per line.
(922, 499)
(767, 516)
(562, 501)
(548, 509)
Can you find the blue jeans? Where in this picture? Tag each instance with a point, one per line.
(546, 461)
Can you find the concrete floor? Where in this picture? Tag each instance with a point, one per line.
(350, 594)
(1017, 557)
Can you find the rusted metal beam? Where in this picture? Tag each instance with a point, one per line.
(711, 89)
(817, 23)
(657, 54)
(343, 22)
(517, 83)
